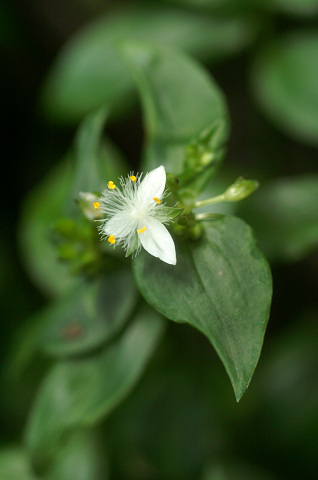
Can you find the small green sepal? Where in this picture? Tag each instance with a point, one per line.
(133, 247)
(170, 213)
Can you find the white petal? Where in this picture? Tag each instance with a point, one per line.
(120, 225)
(157, 241)
(152, 185)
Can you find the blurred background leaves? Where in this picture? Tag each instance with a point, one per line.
(180, 420)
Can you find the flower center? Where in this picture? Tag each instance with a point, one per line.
(138, 212)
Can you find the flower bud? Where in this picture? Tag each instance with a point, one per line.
(89, 205)
(240, 189)
(187, 220)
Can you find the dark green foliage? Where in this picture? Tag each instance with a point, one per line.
(110, 366)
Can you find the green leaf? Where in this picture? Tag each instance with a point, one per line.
(24, 346)
(94, 161)
(89, 170)
(89, 316)
(181, 104)
(284, 80)
(89, 73)
(221, 285)
(41, 209)
(82, 392)
(15, 465)
(81, 458)
(306, 8)
(285, 217)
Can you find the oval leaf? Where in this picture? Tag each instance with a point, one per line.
(284, 80)
(82, 392)
(41, 209)
(88, 317)
(92, 57)
(92, 163)
(182, 104)
(221, 285)
(15, 465)
(82, 457)
(95, 160)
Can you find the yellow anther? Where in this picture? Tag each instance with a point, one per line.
(111, 239)
(96, 205)
(133, 178)
(141, 230)
(157, 200)
(111, 184)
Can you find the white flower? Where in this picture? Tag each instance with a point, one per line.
(89, 205)
(135, 215)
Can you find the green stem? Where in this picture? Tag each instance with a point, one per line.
(209, 201)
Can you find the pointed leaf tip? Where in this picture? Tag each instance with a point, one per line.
(222, 286)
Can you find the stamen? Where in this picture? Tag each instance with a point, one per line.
(111, 239)
(111, 185)
(157, 200)
(96, 205)
(141, 230)
(133, 178)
